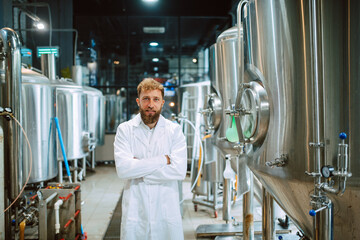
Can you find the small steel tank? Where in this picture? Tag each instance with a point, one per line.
(37, 115)
(191, 98)
(95, 113)
(70, 110)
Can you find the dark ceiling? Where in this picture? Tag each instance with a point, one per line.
(116, 26)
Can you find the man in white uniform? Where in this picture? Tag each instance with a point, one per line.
(150, 153)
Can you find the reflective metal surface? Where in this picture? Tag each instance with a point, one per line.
(10, 62)
(37, 115)
(95, 113)
(224, 75)
(278, 52)
(70, 110)
(114, 111)
(192, 97)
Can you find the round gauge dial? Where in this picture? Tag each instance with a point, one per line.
(326, 171)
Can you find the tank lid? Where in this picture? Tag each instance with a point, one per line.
(30, 76)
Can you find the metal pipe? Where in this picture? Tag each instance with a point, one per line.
(84, 164)
(48, 65)
(215, 195)
(93, 159)
(226, 201)
(268, 223)
(316, 53)
(323, 222)
(248, 211)
(241, 61)
(75, 170)
(11, 57)
(60, 178)
(342, 172)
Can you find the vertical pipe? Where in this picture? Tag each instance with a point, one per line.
(248, 211)
(208, 190)
(323, 222)
(11, 97)
(93, 159)
(84, 164)
(48, 65)
(60, 178)
(215, 194)
(241, 62)
(75, 171)
(268, 223)
(316, 53)
(226, 200)
(2, 185)
(179, 50)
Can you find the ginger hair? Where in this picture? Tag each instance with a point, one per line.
(150, 84)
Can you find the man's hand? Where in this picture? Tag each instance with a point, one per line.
(168, 159)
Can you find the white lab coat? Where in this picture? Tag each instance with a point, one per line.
(150, 206)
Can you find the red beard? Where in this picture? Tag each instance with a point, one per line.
(149, 119)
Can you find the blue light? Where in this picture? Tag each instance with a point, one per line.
(154, 44)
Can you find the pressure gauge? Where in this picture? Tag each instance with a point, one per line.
(327, 171)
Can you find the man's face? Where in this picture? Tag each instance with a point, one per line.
(150, 103)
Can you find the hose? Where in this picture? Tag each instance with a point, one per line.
(201, 155)
(63, 148)
(30, 168)
(200, 162)
(22, 229)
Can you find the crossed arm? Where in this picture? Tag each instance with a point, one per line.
(155, 169)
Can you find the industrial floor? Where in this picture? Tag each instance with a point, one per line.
(100, 209)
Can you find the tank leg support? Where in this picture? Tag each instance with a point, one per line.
(248, 211)
(268, 219)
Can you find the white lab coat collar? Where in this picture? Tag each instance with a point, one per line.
(140, 134)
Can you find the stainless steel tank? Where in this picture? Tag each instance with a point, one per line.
(113, 108)
(37, 116)
(70, 110)
(191, 98)
(301, 89)
(224, 77)
(95, 113)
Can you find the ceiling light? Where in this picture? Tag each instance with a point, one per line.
(155, 59)
(154, 30)
(194, 60)
(116, 62)
(171, 104)
(150, 1)
(154, 44)
(39, 25)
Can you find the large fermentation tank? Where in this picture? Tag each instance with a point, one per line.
(302, 89)
(37, 116)
(224, 75)
(70, 110)
(192, 100)
(95, 113)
